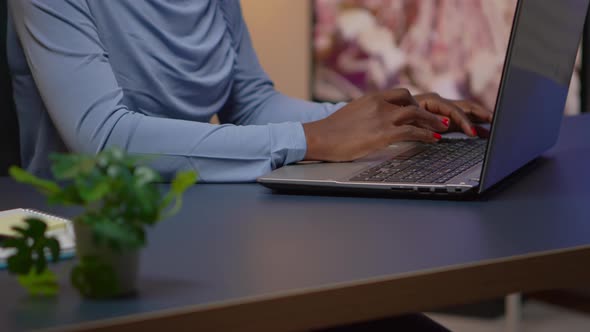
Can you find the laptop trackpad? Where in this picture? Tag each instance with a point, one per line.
(317, 171)
(322, 171)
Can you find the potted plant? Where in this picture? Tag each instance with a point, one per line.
(120, 197)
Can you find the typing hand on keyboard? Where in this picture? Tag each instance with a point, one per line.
(370, 123)
(462, 113)
(375, 121)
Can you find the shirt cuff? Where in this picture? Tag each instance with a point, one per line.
(288, 143)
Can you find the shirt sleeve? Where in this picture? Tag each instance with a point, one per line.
(255, 100)
(72, 72)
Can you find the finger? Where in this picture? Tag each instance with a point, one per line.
(413, 133)
(478, 112)
(428, 95)
(442, 129)
(418, 116)
(401, 97)
(482, 132)
(448, 109)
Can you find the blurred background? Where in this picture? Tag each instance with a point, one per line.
(336, 50)
(454, 47)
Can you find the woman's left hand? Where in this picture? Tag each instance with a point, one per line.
(461, 114)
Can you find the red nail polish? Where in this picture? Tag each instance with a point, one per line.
(437, 136)
(445, 122)
(474, 131)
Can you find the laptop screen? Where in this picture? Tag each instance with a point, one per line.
(455, 48)
(534, 86)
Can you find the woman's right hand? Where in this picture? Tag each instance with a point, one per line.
(371, 123)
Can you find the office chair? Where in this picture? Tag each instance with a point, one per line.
(9, 137)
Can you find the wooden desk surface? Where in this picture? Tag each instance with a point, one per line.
(239, 257)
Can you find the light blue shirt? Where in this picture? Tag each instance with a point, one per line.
(147, 75)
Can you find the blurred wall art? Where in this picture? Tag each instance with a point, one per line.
(453, 47)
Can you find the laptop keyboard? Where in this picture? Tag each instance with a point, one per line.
(433, 163)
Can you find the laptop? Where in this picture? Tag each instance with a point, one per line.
(529, 107)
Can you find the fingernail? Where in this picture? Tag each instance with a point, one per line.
(474, 131)
(445, 121)
(437, 136)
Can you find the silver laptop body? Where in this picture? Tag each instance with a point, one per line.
(538, 67)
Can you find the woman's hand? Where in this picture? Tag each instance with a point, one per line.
(460, 114)
(375, 121)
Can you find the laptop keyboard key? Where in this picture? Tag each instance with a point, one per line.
(436, 163)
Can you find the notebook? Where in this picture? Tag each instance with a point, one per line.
(58, 227)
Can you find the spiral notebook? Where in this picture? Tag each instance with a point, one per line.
(58, 227)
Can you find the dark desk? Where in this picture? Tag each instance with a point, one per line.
(239, 257)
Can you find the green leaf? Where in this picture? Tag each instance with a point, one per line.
(118, 235)
(40, 262)
(45, 186)
(39, 284)
(19, 264)
(145, 200)
(70, 166)
(31, 246)
(113, 171)
(13, 242)
(92, 190)
(54, 248)
(68, 196)
(36, 228)
(21, 231)
(183, 181)
(115, 153)
(175, 208)
(145, 175)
